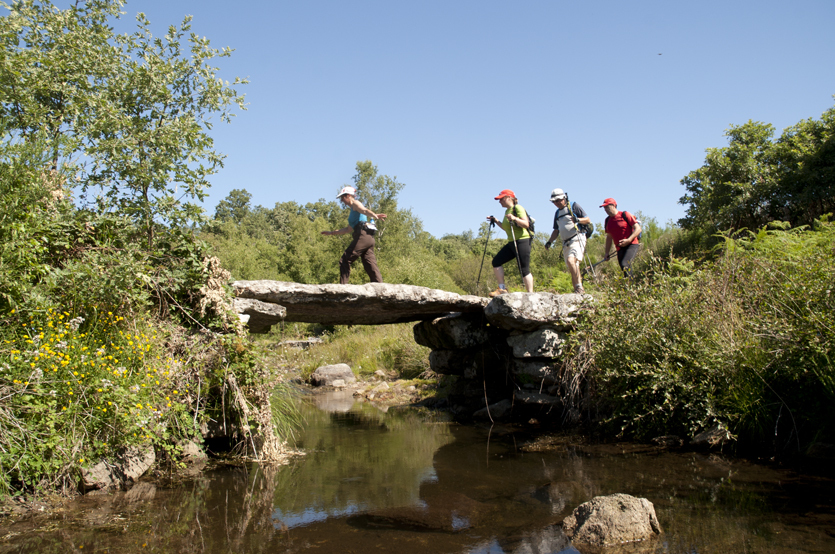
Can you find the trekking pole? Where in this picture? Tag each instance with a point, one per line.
(380, 235)
(516, 248)
(590, 268)
(486, 242)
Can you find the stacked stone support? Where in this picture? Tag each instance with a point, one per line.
(512, 352)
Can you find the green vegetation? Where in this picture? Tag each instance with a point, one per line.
(390, 348)
(115, 328)
(745, 340)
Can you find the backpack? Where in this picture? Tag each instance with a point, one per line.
(531, 222)
(587, 229)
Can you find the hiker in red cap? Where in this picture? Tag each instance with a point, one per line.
(623, 229)
(516, 224)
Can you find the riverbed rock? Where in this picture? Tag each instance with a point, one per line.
(668, 441)
(527, 311)
(611, 520)
(452, 332)
(450, 512)
(369, 304)
(545, 342)
(495, 412)
(327, 375)
(714, 437)
(125, 470)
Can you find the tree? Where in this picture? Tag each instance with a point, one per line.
(133, 109)
(377, 192)
(756, 179)
(234, 207)
(734, 187)
(806, 153)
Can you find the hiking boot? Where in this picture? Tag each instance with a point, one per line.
(579, 289)
(497, 292)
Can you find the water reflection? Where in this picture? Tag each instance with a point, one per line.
(359, 459)
(403, 482)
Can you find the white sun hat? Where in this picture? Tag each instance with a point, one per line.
(346, 190)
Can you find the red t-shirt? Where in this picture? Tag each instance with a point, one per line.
(619, 227)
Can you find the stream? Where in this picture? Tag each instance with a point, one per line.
(405, 481)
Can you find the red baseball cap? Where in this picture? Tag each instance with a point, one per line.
(505, 192)
(607, 202)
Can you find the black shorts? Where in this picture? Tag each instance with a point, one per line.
(508, 252)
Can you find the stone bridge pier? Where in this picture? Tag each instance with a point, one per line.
(507, 353)
(509, 358)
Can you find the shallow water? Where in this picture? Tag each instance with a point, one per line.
(404, 482)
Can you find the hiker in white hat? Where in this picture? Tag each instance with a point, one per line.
(363, 231)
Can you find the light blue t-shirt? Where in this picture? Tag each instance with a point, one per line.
(356, 218)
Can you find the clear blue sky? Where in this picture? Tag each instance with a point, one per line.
(460, 99)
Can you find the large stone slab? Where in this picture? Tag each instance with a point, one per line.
(526, 311)
(539, 371)
(369, 304)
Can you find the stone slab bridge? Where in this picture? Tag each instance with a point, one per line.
(508, 349)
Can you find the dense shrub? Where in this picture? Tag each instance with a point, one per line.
(745, 340)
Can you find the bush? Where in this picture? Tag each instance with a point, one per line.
(746, 340)
(77, 391)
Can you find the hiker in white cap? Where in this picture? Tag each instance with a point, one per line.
(570, 225)
(363, 231)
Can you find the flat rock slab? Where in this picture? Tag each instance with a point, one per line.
(527, 311)
(369, 304)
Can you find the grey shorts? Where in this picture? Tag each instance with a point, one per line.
(574, 247)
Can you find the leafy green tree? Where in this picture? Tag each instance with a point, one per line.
(735, 187)
(234, 207)
(757, 179)
(135, 109)
(379, 192)
(806, 154)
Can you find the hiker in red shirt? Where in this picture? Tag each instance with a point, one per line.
(623, 229)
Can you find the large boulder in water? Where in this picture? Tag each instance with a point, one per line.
(611, 520)
(327, 374)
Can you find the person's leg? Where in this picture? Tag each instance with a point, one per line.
(499, 273)
(348, 257)
(573, 265)
(629, 254)
(524, 248)
(528, 280)
(369, 259)
(504, 255)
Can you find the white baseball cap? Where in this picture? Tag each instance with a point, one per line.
(346, 190)
(557, 194)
